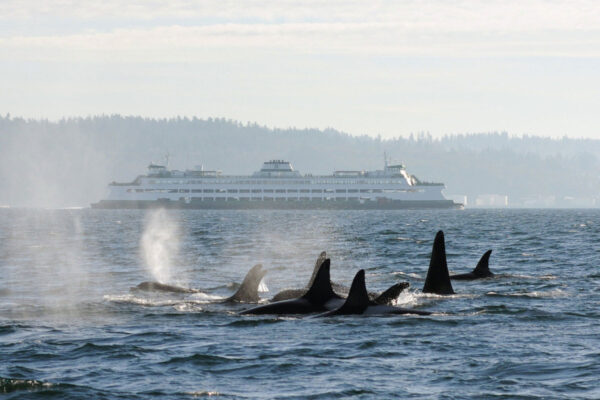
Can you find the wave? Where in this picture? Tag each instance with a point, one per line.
(9, 385)
(521, 276)
(179, 305)
(409, 274)
(552, 294)
(199, 359)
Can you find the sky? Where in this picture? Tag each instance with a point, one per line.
(386, 68)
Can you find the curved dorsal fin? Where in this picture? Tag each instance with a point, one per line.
(248, 290)
(320, 291)
(318, 263)
(483, 266)
(358, 298)
(438, 277)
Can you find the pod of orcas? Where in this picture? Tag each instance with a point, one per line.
(326, 298)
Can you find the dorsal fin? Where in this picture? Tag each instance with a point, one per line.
(358, 298)
(438, 278)
(320, 291)
(483, 266)
(248, 290)
(318, 263)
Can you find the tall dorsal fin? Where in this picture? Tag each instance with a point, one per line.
(438, 278)
(248, 290)
(318, 263)
(483, 266)
(358, 298)
(320, 291)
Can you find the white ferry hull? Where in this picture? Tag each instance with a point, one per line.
(382, 204)
(276, 186)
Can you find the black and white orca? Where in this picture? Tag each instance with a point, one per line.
(246, 293)
(482, 270)
(386, 297)
(320, 297)
(358, 302)
(162, 287)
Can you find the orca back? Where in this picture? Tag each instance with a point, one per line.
(438, 277)
(391, 293)
(162, 287)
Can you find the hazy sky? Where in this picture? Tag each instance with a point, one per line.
(364, 67)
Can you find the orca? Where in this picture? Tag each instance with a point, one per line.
(319, 298)
(438, 277)
(289, 294)
(162, 287)
(358, 302)
(482, 270)
(387, 297)
(246, 293)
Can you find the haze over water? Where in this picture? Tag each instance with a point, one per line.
(71, 328)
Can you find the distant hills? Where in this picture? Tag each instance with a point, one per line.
(69, 162)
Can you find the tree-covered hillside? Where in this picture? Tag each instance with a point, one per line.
(69, 162)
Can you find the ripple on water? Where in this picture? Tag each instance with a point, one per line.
(529, 333)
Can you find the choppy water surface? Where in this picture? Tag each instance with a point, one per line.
(71, 328)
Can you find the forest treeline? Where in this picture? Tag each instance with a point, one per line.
(70, 161)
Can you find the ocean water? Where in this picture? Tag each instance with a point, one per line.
(71, 328)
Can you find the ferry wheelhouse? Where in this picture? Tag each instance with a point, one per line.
(276, 186)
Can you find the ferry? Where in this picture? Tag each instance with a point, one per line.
(277, 185)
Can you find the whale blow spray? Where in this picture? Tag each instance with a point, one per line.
(160, 244)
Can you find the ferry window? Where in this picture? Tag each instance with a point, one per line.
(232, 191)
(245, 198)
(280, 198)
(244, 190)
(268, 190)
(256, 190)
(352, 190)
(365, 191)
(196, 191)
(317, 191)
(267, 198)
(184, 190)
(376, 190)
(340, 190)
(304, 191)
(129, 190)
(208, 191)
(139, 190)
(173, 191)
(220, 190)
(353, 198)
(328, 190)
(280, 191)
(292, 190)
